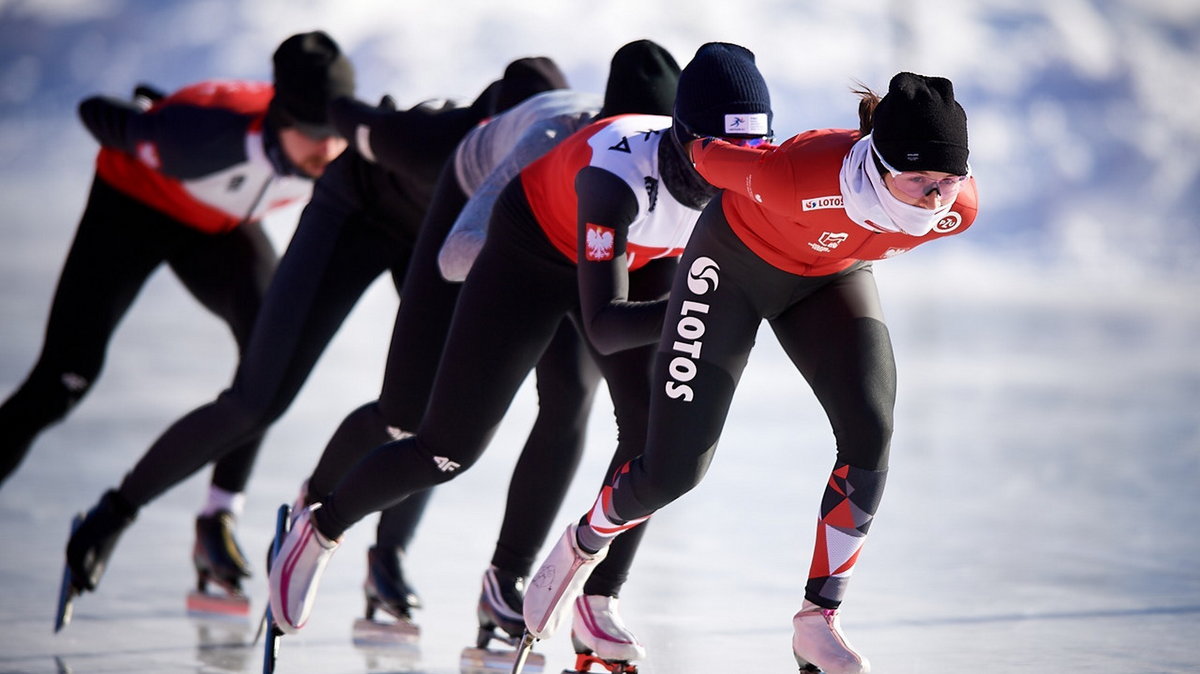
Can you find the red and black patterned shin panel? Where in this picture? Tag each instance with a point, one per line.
(602, 520)
(851, 498)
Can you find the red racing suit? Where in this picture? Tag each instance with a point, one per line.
(785, 203)
(200, 155)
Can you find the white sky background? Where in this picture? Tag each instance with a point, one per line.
(1042, 506)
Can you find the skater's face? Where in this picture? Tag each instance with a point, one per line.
(310, 155)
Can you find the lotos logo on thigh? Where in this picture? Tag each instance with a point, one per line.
(704, 277)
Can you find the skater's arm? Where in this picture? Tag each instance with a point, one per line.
(607, 207)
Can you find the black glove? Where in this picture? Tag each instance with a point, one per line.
(148, 92)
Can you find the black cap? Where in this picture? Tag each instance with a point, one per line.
(642, 79)
(310, 72)
(722, 93)
(918, 126)
(524, 78)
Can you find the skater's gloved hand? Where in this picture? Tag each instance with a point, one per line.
(146, 95)
(355, 120)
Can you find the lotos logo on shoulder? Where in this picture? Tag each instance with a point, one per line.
(704, 277)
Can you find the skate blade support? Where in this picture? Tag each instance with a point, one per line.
(67, 592)
(584, 662)
(523, 651)
(283, 522)
(222, 608)
(371, 633)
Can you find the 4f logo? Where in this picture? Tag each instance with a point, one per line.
(446, 465)
(235, 183)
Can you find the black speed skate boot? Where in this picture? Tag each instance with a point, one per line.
(500, 619)
(219, 561)
(93, 538)
(386, 590)
(93, 542)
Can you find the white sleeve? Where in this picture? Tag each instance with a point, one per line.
(465, 240)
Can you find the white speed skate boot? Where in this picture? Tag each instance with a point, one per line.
(296, 572)
(556, 584)
(819, 645)
(601, 637)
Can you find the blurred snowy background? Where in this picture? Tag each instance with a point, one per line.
(1042, 509)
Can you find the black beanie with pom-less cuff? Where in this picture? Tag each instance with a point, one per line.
(918, 126)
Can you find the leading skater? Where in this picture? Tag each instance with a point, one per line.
(597, 215)
(789, 240)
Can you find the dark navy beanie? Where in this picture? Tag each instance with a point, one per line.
(722, 93)
(918, 126)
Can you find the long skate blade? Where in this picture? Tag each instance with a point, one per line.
(262, 625)
(492, 661)
(523, 651)
(227, 608)
(66, 589)
(368, 633)
(283, 521)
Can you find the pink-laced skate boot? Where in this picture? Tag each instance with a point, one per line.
(597, 629)
(296, 572)
(819, 645)
(556, 584)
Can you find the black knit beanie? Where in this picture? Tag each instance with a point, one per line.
(722, 93)
(918, 126)
(310, 72)
(642, 79)
(524, 78)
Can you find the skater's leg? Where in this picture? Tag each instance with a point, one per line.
(418, 336)
(682, 433)
(507, 313)
(117, 245)
(567, 377)
(328, 265)
(851, 368)
(229, 275)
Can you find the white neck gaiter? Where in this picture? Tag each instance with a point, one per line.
(869, 203)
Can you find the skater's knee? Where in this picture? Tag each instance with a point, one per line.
(865, 443)
(243, 414)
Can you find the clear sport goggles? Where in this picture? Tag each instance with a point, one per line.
(918, 185)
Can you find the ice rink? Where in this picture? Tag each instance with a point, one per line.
(1042, 506)
(1040, 513)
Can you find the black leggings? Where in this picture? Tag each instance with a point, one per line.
(118, 244)
(566, 385)
(510, 308)
(334, 255)
(831, 327)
